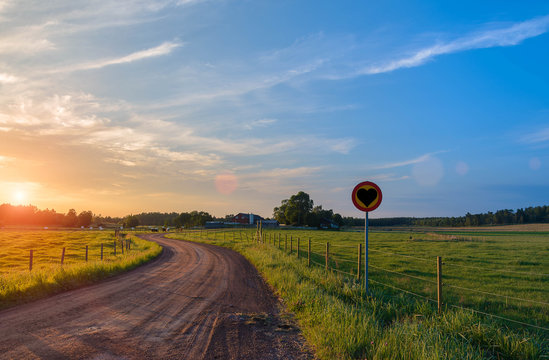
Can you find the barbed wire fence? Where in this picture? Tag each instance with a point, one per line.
(336, 259)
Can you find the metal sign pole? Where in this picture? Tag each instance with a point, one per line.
(366, 252)
(366, 197)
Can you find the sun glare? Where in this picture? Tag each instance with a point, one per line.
(19, 197)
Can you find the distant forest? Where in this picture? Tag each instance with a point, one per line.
(538, 214)
(31, 216)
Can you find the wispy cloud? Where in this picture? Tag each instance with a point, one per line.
(160, 50)
(537, 137)
(278, 180)
(413, 161)
(507, 36)
(7, 78)
(302, 171)
(260, 123)
(206, 160)
(389, 177)
(27, 40)
(243, 79)
(342, 146)
(5, 159)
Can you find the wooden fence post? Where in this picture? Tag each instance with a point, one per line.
(86, 253)
(63, 256)
(101, 251)
(122, 246)
(291, 244)
(286, 243)
(30, 260)
(327, 254)
(359, 260)
(439, 283)
(309, 253)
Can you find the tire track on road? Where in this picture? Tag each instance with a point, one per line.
(195, 301)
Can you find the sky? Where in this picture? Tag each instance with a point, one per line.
(231, 106)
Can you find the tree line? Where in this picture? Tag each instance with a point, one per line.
(298, 210)
(538, 214)
(178, 220)
(30, 215)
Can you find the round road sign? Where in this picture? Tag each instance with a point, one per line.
(366, 196)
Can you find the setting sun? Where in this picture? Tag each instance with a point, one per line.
(19, 197)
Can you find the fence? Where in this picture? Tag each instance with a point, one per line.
(440, 286)
(83, 253)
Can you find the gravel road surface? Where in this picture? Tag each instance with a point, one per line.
(195, 301)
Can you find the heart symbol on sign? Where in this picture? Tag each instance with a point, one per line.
(366, 196)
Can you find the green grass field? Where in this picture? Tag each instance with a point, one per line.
(48, 276)
(502, 273)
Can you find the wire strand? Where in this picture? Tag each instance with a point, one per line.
(399, 273)
(489, 293)
(341, 246)
(317, 263)
(499, 317)
(342, 260)
(402, 255)
(497, 270)
(406, 291)
(342, 272)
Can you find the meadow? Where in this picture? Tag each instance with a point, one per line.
(495, 291)
(48, 276)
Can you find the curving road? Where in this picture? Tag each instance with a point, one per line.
(195, 301)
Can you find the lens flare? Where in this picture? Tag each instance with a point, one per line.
(462, 168)
(535, 163)
(226, 183)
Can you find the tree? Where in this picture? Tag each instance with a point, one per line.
(279, 212)
(194, 218)
(299, 206)
(71, 219)
(338, 219)
(294, 211)
(85, 218)
(131, 221)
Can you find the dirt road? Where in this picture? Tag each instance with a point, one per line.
(195, 301)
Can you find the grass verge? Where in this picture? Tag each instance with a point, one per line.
(18, 287)
(341, 322)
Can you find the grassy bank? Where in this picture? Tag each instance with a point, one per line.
(48, 276)
(341, 322)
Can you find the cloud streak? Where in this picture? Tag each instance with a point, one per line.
(416, 160)
(163, 49)
(260, 123)
(508, 36)
(7, 78)
(537, 137)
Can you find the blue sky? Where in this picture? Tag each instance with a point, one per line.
(231, 106)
